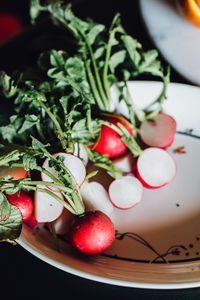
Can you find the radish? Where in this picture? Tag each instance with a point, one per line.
(95, 197)
(14, 172)
(31, 222)
(23, 202)
(110, 142)
(81, 152)
(125, 163)
(92, 233)
(62, 224)
(155, 167)
(10, 25)
(159, 132)
(47, 208)
(73, 164)
(125, 192)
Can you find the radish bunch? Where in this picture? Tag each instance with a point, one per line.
(91, 231)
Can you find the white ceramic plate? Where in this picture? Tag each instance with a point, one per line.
(158, 242)
(177, 40)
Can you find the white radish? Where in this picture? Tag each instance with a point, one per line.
(159, 132)
(81, 152)
(47, 208)
(72, 163)
(125, 192)
(95, 197)
(155, 167)
(125, 163)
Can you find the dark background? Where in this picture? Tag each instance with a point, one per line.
(23, 276)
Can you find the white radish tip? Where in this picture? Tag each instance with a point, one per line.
(125, 163)
(71, 162)
(125, 192)
(95, 197)
(155, 167)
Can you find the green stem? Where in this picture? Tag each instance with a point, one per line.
(60, 133)
(105, 70)
(98, 99)
(40, 169)
(55, 196)
(80, 209)
(125, 137)
(50, 184)
(55, 238)
(96, 72)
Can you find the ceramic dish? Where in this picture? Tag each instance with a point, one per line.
(157, 243)
(177, 40)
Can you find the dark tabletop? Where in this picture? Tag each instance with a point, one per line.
(22, 275)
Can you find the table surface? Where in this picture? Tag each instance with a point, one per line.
(25, 276)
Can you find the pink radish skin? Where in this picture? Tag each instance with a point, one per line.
(155, 168)
(125, 163)
(125, 192)
(31, 222)
(47, 208)
(73, 163)
(92, 233)
(62, 224)
(95, 197)
(110, 142)
(23, 202)
(159, 133)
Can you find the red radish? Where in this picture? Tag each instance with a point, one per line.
(62, 224)
(31, 222)
(109, 142)
(125, 163)
(14, 172)
(9, 26)
(92, 233)
(155, 167)
(47, 208)
(73, 163)
(125, 192)
(23, 202)
(83, 155)
(159, 132)
(95, 197)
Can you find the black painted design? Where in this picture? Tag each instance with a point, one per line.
(159, 257)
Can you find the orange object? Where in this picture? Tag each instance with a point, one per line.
(190, 10)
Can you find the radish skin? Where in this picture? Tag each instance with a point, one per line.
(110, 142)
(92, 233)
(14, 172)
(23, 202)
(62, 223)
(31, 222)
